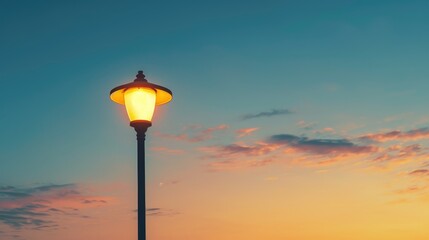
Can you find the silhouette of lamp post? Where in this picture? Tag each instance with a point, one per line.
(140, 98)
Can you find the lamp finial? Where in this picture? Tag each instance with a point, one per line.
(140, 76)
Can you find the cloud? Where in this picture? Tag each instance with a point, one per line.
(419, 172)
(195, 133)
(305, 125)
(158, 212)
(317, 152)
(167, 183)
(410, 190)
(285, 148)
(30, 214)
(320, 146)
(410, 135)
(272, 113)
(90, 201)
(12, 234)
(236, 149)
(398, 154)
(245, 131)
(326, 130)
(37, 207)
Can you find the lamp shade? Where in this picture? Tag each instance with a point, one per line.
(140, 98)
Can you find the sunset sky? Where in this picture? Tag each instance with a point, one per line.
(291, 120)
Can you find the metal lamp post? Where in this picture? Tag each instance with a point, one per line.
(140, 98)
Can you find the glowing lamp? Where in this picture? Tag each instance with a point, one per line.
(140, 98)
(140, 103)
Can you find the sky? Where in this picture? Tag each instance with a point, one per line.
(296, 120)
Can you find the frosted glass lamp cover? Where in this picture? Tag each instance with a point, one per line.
(140, 103)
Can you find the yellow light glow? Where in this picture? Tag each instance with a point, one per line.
(140, 103)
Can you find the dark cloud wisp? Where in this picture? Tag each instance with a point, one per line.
(414, 134)
(160, 212)
(22, 207)
(419, 172)
(319, 146)
(28, 215)
(36, 207)
(273, 112)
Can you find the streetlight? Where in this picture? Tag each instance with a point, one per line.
(140, 98)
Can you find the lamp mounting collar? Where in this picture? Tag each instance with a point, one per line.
(141, 127)
(140, 77)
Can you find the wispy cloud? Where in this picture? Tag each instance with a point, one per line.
(245, 132)
(272, 113)
(91, 201)
(239, 149)
(306, 125)
(168, 183)
(286, 147)
(37, 207)
(411, 190)
(374, 152)
(195, 133)
(324, 131)
(33, 215)
(160, 212)
(398, 154)
(419, 172)
(320, 146)
(414, 134)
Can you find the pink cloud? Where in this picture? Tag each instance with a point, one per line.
(245, 131)
(415, 134)
(324, 131)
(419, 172)
(167, 183)
(294, 149)
(318, 152)
(237, 149)
(411, 190)
(398, 153)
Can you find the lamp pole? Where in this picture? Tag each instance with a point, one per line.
(140, 98)
(141, 128)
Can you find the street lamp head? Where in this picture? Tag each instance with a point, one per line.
(140, 98)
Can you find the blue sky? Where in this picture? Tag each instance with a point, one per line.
(357, 67)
